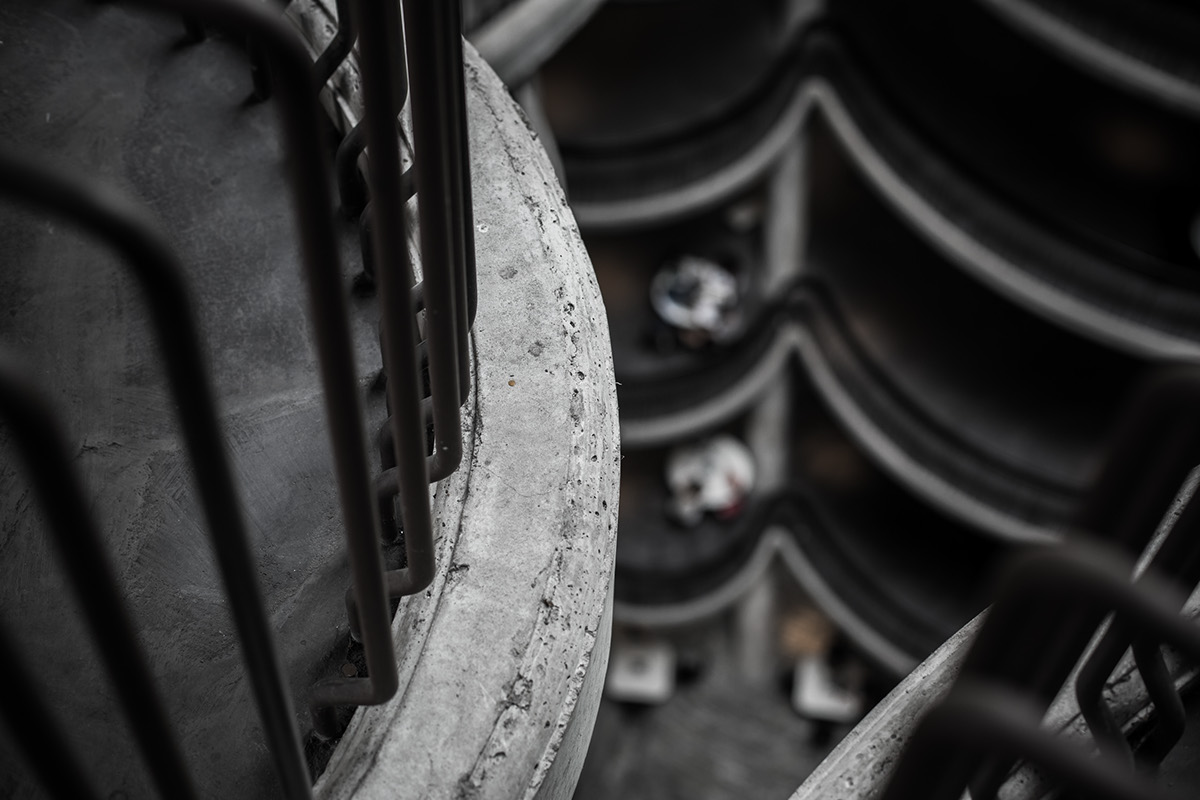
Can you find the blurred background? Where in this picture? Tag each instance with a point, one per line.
(879, 278)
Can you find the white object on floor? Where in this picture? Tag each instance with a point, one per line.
(713, 475)
(641, 672)
(816, 696)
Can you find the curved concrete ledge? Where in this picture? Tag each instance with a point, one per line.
(897, 461)
(795, 340)
(776, 541)
(894, 614)
(720, 408)
(1052, 296)
(708, 192)
(502, 659)
(1133, 67)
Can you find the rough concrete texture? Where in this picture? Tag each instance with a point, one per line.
(501, 660)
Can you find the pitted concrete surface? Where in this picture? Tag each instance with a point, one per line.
(502, 660)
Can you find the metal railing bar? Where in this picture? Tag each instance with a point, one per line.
(1074, 578)
(433, 41)
(1092, 577)
(982, 718)
(366, 225)
(1104, 727)
(260, 68)
(1157, 443)
(387, 486)
(81, 549)
(338, 48)
(384, 440)
(1170, 713)
(394, 280)
(34, 730)
(301, 124)
(366, 246)
(462, 214)
(113, 218)
(1178, 558)
(352, 189)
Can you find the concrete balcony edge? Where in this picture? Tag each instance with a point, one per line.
(502, 659)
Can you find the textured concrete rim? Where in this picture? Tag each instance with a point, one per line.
(498, 684)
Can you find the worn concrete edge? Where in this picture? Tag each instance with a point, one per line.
(561, 764)
(551, 767)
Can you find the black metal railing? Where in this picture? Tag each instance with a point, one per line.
(1051, 603)
(446, 298)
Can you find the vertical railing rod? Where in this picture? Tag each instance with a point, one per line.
(384, 435)
(351, 189)
(1157, 443)
(372, 19)
(260, 74)
(1170, 712)
(462, 214)
(978, 718)
(34, 730)
(435, 66)
(352, 192)
(366, 224)
(1069, 577)
(81, 549)
(301, 122)
(338, 48)
(394, 279)
(1178, 557)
